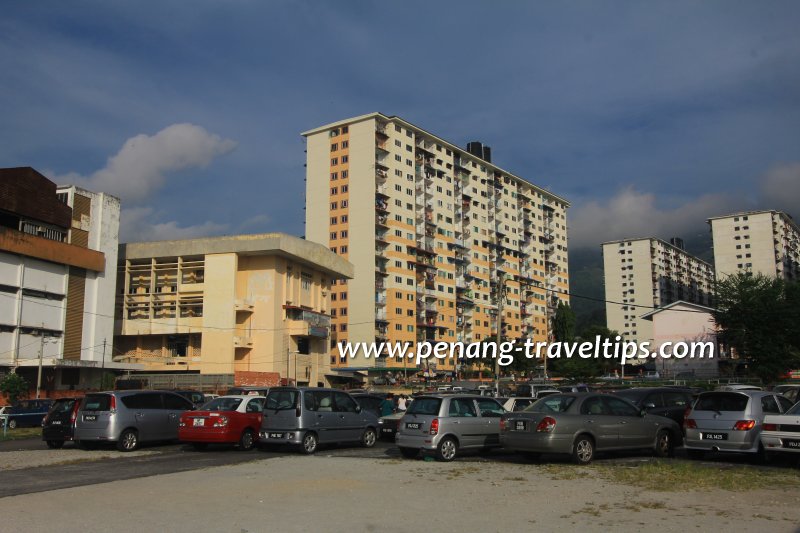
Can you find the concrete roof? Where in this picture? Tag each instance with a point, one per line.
(300, 250)
(696, 308)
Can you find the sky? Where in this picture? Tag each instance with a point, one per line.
(649, 117)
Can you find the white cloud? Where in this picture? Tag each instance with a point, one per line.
(631, 213)
(141, 166)
(139, 224)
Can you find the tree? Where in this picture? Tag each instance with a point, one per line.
(13, 386)
(590, 334)
(759, 318)
(564, 323)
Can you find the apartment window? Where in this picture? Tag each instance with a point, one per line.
(398, 327)
(344, 219)
(344, 203)
(334, 205)
(334, 160)
(398, 203)
(398, 158)
(345, 158)
(343, 296)
(334, 176)
(333, 235)
(343, 234)
(345, 188)
(398, 128)
(334, 190)
(344, 174)
(345, 144)
(333, 221)
(305, 281)
(334, 147)
(342, 327)
(345, 129)
(343, 250)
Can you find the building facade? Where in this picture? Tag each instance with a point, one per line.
(56, 287)
(643, 274)
(250, 303)
(764, 242)
(435, 233)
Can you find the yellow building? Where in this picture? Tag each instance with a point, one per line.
(431, 229)
(250, 303)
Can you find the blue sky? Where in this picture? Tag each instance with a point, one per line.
(648, 116)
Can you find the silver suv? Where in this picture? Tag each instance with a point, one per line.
(307, 417)
(129, 418)
(449, 424)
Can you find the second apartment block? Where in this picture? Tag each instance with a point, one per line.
(643, 274)
(435, 232)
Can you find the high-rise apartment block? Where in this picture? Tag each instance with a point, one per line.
(643, 274)
(435, 232)
(764, 242)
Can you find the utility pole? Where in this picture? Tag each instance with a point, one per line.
(288, 358)
(41, 355)
(103, 364)
(501, 287)
(549, 328)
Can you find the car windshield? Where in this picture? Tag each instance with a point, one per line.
(794, 410)
(281, 399)
(721, 401)
(222, 404)
(62, 406)
(97, 402)
(551, 404)
(425, 406)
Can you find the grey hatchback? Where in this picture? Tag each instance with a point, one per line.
(308, 417)
(449, 424)
(129, 418)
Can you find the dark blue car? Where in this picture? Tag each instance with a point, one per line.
(28, 413)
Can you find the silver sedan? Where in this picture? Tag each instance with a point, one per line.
(580, 424)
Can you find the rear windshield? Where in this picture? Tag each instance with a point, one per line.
(794, 410)
(552, 404)
(97, 402)
(425, 406)
(281, 399)
(721, 401)
(222, 404)
(62, 406)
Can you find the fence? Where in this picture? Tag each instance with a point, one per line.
(215, 383)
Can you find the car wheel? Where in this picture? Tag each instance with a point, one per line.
(199, 446)
(247, 440)
(369, 438)
(409, 453)
(583, 450)
(695, 454)
(310, 442)
(55, 444)
(447, 450)
(128, 441)
(12, 424)
(664, 445)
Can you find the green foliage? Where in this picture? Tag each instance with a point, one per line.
(13, 386)
(759, 318)
(564, 323)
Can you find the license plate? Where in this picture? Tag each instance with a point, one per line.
(715, 436)
(412, 425)
(90, 418)
(520, 425)
(199, 422)
(387, 430)
(275, 436)
(794, 444)
(56, 422)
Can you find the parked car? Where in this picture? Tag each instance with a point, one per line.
(370, 402)
(730, 421)
(129, 418)
(736, 387)
(59, 424)
(448, 425)
(26, 413)
(227, 419)
(781, 433)
(581, 424)
(387, 425)
(209, 397)
(661, 401)
(530, 389)
(248, 391)
(790, 391)
(652, 374)
(196, 397)
(517, 403)
(384, 380)
(307, 417)
(574, 388)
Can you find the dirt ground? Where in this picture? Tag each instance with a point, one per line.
(324, 493)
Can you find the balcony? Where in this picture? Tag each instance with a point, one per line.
(380, 300)
(243, 305)
(242, 342)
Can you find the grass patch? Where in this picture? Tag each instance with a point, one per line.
(20, 433)
(680, 476)
(559, 472)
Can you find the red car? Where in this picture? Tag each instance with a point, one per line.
(227, 419)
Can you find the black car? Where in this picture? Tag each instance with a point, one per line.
(59, 424)
(196, 397)
(669, 402)
(370, 402)
(28, 413)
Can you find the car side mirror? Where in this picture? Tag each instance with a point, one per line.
(649, 405)
(358, 408)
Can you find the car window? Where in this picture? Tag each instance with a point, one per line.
(462, 407)
(278, 400)
(620, 407)
(142, 401)
(769, 405)
(791, 394)
(254, 406)
(174, 402)
(594, 406)
(552, 404)
(655, 398)
(198, 397)
(675, 399)
(62, 406)
(721, 401)
(425, 406)
(795, 410)
(490, 408)
(344, 403)
(784, 403)
(222, 404)
(97, 402)
(519, 405)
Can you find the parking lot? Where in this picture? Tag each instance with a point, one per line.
(348, 488)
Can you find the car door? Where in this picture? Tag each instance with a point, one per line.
(463, 416)
(634, 431)
(596, 417)
(784, 402)
(174, 406)
(348, 419)
(148, 415)
(252, 413)
(653, 403)
(675, 404)
(490, 412)
(320, 405)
